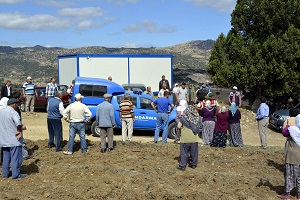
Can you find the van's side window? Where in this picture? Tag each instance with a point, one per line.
(133, 100)
(146, 103)
(92, 90)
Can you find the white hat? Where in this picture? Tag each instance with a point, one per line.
(29, 77)
(107, 95)
(78, 96)
(234, 87)
(176, 84)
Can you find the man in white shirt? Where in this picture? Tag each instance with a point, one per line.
(161, 92)
(77, 114)
(181, 93)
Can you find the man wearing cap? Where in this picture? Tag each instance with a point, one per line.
(105, 120)
(28, 93)
(51, 89)
(181, 94)
(77, 114)
(164, 81)
(235, 97)
(11, 139)
(161, 106)
(6, 90)
(55, 112)
(126, 117)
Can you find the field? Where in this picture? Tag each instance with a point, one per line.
(144, 170)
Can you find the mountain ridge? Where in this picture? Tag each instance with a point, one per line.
(40, 62)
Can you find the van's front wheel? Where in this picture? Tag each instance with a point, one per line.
(95, 130)
(172, 131)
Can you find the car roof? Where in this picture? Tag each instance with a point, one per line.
(135, 93)
(112, 87)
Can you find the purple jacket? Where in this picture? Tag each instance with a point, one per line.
(234, 119)
(222, 123)
(208, 115)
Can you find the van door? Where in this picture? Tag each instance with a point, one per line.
(145, 115)
(117, 108)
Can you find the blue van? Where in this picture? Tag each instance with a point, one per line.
(93, 90)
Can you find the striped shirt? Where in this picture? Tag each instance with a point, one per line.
(28, 88)
(126, 109)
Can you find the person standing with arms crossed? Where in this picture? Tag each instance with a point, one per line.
(163, 112)
(262, 117)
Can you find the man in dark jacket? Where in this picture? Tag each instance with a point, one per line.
(6, 90)
(164, 81)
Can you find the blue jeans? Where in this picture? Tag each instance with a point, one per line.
(73, 129)
(162, 119)
(12, 155)
(55, 131)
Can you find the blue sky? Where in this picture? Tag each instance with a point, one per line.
(112, 23)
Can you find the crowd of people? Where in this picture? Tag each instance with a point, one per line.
(197, 111)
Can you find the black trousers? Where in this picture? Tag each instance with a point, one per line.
(186, 150)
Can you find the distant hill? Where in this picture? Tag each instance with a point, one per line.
(190, 60)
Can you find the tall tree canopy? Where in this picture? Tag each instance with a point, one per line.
(261, 52)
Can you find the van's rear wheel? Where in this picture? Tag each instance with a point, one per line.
(95, 130)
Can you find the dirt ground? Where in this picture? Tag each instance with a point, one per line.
(144, 170)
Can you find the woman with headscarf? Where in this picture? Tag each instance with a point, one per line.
(180, 111)
(234, 116)
(220, 134)
(292, 155)
(189, 125)
(208, 119)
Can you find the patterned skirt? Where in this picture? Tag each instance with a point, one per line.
(291, 177)
(219, 139)
(208, 131)
(235, 133)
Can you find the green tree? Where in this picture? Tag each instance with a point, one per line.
(261, 52)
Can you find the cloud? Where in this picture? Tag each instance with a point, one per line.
(150, 27)
(88, 12)
(122, 2)
(10, 1)
(221, 5)
(54, 3)
(42, 22)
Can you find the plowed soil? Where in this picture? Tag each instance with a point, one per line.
(144, 170)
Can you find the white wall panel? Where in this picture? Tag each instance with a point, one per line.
(103, 67)
(149, 71)
(67, 70)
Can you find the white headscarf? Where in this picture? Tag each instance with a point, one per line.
(208, 104)
(182, 106)
(223, 109)
(295, 131)
(3, 102)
